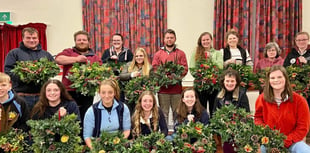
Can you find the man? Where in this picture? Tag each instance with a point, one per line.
(80, 53)
(170, 96)
(300, 54)
(29, 50)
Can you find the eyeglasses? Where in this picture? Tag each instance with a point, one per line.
(301, 40)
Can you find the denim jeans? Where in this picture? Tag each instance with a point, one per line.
(298, 147)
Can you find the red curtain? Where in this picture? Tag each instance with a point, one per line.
(10, 36)
(142, 23)
(232, 14)
(277, 21)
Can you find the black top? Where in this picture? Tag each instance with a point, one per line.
(146, 130)
(70, 106)
(292, 57)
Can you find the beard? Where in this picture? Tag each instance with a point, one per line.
(82, 49)
(172, 45)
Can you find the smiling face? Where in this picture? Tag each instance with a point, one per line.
(230, 83)
(189, 98)
(206, 41)
(81, 43)
(147, 103)
(107, 95)
(169, 39)
(277, 80)
(52, 92)
(302, 41)
(139, 57)
(31, 40)
(117, 42)
(232, 41)
(5, 87)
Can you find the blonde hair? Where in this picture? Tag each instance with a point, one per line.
(4, 77)
(113, 83)
(136, 131)
(146, 63)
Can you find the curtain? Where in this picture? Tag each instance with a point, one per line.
(232, 14)
(10, 36)
(277, 21)
(142, 23)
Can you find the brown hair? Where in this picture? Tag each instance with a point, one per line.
(146, 63)
(271, 45)
(200, 49)
(136, 131)
(81, 32)
(42, 104)
(232, 32)
(182, 108)
(170, 31)
(113, 83)
(268, 90)
(302, 33)
(30, 30)
(230, 73)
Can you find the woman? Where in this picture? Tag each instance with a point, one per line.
(233, 52)
(109, 114)
(117, 52)
(54, 98)
(147, 116)
(281, 108)
(140, 65)
(272, 56)
(205, 51)
(231, 92)
(190, 109)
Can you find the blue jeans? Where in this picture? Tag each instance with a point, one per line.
(298, 147)
(31, 101)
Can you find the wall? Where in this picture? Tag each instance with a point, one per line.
(63, 18)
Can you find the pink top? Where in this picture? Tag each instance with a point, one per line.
(265, 63)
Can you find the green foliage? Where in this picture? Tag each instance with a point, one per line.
(37, 72)
(139, 84)
(194, 137)
(56, 136)
(169, 73)
(246, 74)
(13, 141)
(299, 76)
(86, 78)
(155, 142)
(206, 76)
(110, 142)
(237, 126)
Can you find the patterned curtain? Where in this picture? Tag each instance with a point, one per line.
(277, 21)
(232, 14)
(142, 23)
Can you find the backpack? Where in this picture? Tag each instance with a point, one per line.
(97, 115)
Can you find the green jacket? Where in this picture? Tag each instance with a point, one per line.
(216, 57)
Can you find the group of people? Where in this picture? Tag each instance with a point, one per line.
(278, 106)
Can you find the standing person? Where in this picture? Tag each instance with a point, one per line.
(233, 52)
(205, 51)
(171, 95)
(272, 57)
(54, 98)
(109, 114)
(231, 93)
(29, 50)
(300, 54)
(80, 53)
(117, 52)
(281, 108)
(13, 109)
(139, 66)
(147, 117)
